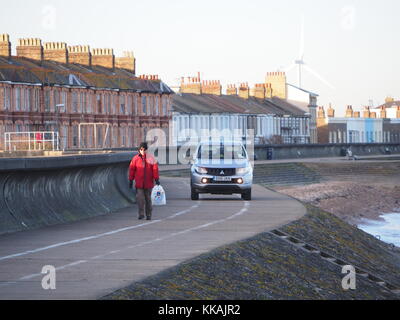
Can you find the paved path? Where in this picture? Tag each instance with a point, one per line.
(97, 256)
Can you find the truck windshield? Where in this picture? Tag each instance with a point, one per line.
(221, 152)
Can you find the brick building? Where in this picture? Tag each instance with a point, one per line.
(68, 89)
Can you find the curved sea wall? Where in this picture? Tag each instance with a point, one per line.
(39, 192)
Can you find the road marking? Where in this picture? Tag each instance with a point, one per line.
(96, 236)
(241, 212)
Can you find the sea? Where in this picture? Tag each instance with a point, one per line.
(387, 229)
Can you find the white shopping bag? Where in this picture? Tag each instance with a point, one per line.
(158, 197)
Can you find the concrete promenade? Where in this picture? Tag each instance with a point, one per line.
(94, 257)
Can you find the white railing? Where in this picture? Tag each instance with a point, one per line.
(28, 141)
(95, 126)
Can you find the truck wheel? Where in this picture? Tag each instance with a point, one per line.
(195, 196)
(246, 196)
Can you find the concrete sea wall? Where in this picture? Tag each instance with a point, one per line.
(278, 152)
(47, 191)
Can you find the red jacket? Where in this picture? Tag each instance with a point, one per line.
(144, 171)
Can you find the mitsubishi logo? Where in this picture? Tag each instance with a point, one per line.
(222, 173)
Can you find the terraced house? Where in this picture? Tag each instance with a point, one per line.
(370, 125)
(89, 97)
(275, 111)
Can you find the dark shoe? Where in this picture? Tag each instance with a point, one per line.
(141, 218)
(148, 218)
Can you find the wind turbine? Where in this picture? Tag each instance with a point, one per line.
(300, 64)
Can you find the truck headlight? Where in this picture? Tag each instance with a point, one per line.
(242, 171)
(200, 170)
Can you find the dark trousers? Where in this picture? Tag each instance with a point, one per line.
(143, 198)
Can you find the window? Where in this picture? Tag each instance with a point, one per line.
(149, 107)
(7, 98)
(122, 104)
(56, 100)
(28, 97)
(75, 102)
(157, 105)
(113, 100)
(83, 102)
(123, 134)
(36, 100)
(89, 103)
(17, 99)
(99, 106)
(130, 106)
(135, 101)
(164, 107)
(75, 136)
(19, 128)
(47, 101)
(78, 102)
(63, 101)
(144, 105)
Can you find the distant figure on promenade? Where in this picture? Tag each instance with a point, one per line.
(144, 170)
(350, 155)
(39, 139)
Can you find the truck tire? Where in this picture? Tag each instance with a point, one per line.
(246, 195)
(194, 195)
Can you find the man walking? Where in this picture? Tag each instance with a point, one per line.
(144, 170)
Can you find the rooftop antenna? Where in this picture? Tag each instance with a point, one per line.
(371, 103)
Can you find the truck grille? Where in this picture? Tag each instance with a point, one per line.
(221, 172)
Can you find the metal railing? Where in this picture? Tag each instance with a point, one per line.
(28, 141)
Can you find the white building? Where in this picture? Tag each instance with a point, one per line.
(202, 116)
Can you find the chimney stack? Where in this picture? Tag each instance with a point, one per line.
(277, 80)
(389, 99)
(231, 90)
(349, 112)
(244, 91)
(331, 112)
(211, 87)
(104, 58)
(80, 55)
(30, 48)
(56, 51)
(191, 85)
(383, 112)
(262, 91)
(127, 62)
(321, 113)
(5, 46)
(367, 112)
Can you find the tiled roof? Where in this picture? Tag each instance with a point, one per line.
(205, 103)
(22, 70)
(389, 105)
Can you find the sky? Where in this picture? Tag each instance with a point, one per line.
(352, 44)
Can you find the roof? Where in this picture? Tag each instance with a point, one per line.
(389, 105)
(206, 103)
(306, 91)
(23, 70)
